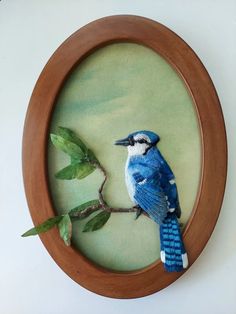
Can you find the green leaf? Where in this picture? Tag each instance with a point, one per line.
(67, 147)
(67, 173)
(97, 222)
(74, 161)
(69, 135)
(91, 156)
(65, 229)
(83, 206)
(84, 169)
(75, 171)
(45, 226)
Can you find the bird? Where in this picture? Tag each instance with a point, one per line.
(152, 188)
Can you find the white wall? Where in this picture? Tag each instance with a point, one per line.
(30, 282)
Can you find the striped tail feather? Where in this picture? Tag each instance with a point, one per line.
(173, 253)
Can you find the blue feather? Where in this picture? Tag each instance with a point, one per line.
(172, 247)
(152, 201)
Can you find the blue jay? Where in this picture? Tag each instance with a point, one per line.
(152, 188)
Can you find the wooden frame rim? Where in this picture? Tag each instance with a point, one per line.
(125, 28)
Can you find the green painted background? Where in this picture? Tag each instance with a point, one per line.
(117, 90)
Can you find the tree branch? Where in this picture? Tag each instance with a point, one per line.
(103, 205)
(86, 212)
(100, 196)
(91, 209)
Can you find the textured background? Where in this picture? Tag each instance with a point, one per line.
(117, 90)
(30, 31)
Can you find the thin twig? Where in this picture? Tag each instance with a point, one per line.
(133, 209)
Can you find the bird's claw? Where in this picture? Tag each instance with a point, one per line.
(138, 212)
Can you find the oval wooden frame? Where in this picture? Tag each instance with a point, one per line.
(211, 188)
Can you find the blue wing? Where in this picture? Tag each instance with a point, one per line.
(150, 196)
(155, 187)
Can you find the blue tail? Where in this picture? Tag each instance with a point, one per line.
(173, 253)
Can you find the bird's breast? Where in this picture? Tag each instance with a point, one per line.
(129, 181)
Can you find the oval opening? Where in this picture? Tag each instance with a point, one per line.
(119, 89)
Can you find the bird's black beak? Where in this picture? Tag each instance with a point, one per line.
(124, 142)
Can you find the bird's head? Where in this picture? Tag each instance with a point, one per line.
(139, 143)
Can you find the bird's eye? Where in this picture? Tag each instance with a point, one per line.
(141, 141)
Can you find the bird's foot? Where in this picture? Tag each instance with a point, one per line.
(138, 212)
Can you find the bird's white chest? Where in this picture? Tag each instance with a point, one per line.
(129, 182)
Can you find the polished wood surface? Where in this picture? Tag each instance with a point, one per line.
(213, 138)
